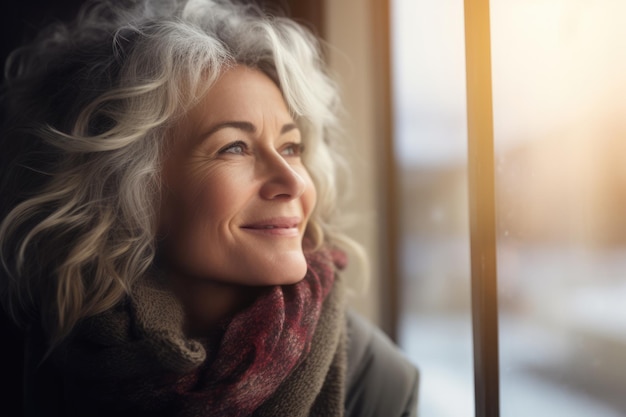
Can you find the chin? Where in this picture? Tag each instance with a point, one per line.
(293, 277)
(288, 271)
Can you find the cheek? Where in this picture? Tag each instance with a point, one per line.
(198, 201)
(216, 197)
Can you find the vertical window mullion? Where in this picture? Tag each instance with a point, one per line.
(482, 207)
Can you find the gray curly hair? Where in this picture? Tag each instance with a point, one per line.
(87, 106)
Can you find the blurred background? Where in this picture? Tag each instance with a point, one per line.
(560, 139)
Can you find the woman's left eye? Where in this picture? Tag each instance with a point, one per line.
(293, 149)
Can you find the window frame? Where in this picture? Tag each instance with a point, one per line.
(482, 211)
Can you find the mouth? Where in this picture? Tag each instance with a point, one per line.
(277, 226)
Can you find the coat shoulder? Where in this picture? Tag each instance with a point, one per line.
(380, 380)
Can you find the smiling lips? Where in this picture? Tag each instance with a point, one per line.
(277, 226)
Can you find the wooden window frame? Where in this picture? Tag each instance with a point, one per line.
(482, 210)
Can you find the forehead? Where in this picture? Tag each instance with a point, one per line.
(241, 93)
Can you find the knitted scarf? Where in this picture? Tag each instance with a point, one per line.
(284, 355)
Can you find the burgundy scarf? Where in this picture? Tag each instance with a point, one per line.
(135, 359)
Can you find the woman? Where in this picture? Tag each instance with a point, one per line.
(167, 240)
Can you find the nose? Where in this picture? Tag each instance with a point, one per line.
(280, 179)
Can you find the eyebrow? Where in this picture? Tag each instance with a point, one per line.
(246, 127)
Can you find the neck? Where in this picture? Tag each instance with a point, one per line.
(208, 303)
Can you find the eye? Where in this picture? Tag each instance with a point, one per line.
(235, 148)
(292, 149)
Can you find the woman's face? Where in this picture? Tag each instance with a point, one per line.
(237, 197)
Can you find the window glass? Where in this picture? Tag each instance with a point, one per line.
(428, 60)
(560, 138)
